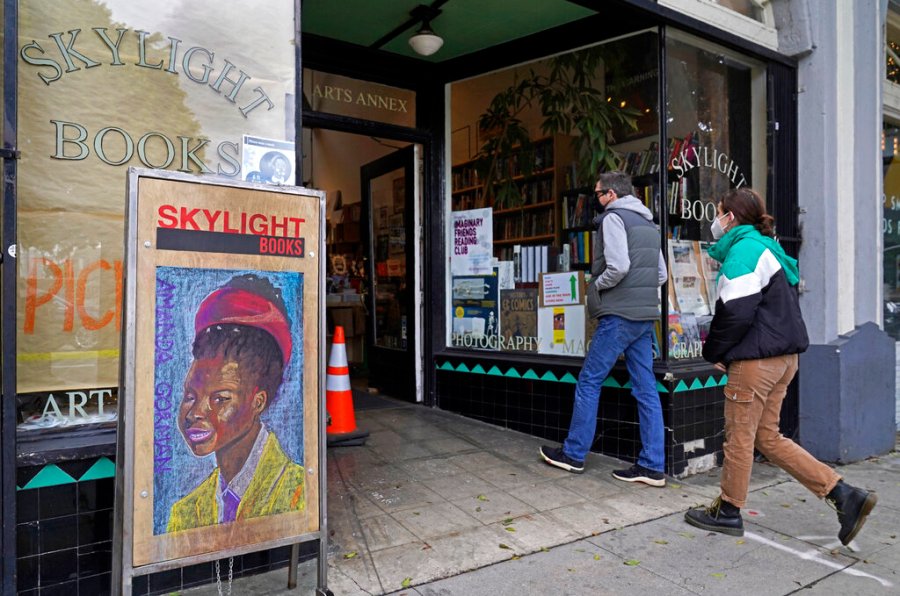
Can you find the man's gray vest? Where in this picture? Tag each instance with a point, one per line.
(636, 296)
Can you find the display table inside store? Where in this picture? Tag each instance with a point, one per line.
(351, 315)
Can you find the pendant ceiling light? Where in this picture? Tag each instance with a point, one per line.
(425, 42)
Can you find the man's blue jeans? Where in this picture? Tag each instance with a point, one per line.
(615, 335)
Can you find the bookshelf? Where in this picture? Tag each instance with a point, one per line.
(344, 235)
(575, 214)
(534, 220)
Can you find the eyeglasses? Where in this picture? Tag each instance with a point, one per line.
(602, 191)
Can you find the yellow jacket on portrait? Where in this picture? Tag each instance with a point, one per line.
(276, 487)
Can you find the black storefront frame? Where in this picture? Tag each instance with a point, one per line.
(8, 300)
(428, 80)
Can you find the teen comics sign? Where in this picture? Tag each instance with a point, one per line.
(223, 293)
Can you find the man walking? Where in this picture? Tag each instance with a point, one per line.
(627, 270)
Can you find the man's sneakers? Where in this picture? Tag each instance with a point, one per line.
(853, 506)
(721, 516)
(638, 473)
(555, 457)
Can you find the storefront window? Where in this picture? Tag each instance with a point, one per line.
(716, 141)
(890, 145)
(892, 48)
(108, 85)
(526, 146)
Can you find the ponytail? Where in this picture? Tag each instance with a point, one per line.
(765, 225)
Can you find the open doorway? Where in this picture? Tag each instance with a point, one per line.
(373, 255)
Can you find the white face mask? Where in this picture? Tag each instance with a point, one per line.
(716, 228)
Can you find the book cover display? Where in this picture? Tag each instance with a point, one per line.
(684, 336)
(561, 330)
(474, 312)
(518, 319)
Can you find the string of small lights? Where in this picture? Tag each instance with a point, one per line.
(893, 69)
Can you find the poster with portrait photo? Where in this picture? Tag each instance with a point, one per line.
(220, 401)
(267, 160)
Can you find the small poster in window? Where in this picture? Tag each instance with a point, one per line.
(561, 330)
(561, 289)
(267, 160)
(687, 284)
(475, 320)
(505, 275)
(473, 239)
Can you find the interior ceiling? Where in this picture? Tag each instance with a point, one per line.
(465, 25)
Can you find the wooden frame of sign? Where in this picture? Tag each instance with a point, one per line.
(204, 255)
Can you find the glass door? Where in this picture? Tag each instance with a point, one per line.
(388, 193)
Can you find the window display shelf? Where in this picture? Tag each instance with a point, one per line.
(512, 210)
(524, 240)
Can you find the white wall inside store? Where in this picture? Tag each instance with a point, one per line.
(337, 158)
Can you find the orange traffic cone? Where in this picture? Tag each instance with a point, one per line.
(341, 428)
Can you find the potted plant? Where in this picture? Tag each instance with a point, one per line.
(569, 102)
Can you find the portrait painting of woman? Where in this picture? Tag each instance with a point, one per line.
(234, 457)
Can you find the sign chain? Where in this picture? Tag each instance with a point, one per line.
(230, 576)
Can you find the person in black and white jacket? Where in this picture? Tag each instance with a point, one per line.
(756, 335)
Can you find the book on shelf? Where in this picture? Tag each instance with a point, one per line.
(677, 191)
(505, 272)
(535, 259)
(526, 265)
(464, 176)
(681, 150)
(582, 243)
(577, 210)
(517, 262)
(640, 163)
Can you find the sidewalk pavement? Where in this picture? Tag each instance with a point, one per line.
(440, 505)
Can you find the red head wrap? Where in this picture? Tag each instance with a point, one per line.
(242, 307)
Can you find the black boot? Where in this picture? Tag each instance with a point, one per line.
(852, 505)
(720, 516)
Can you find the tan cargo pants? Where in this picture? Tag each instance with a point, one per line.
(753, 397)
